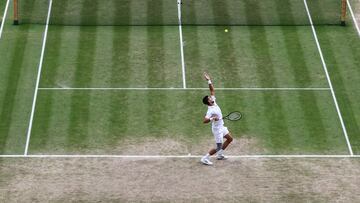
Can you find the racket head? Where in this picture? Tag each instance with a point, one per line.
(234, 116)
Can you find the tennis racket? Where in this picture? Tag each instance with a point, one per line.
(233, 116)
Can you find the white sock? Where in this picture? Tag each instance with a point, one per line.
(207, 155)
(220, 152)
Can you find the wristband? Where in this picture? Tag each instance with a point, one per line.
(209, 82)
(212, 118)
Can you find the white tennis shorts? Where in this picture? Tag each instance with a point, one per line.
(219, 133)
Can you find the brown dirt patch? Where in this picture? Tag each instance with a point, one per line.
(179, 180)
(245, 145)
(170, 146)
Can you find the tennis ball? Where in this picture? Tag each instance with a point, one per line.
(226, 30)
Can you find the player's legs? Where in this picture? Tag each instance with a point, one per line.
(226, 134)
(213, 151)
(229, 139)
(206, 159)
(219, 136)
(219, 140)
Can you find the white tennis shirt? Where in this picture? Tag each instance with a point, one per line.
(212, 111)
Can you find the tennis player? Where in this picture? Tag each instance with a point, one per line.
(219, 131)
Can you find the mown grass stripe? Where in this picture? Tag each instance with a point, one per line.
(2, 7)
(155, 61)
(276, 120)
(80, 101)
(137, 57)
(12, 86)
(119, 118)
(155, 55)
(225, 43)
(42, 127)
(136, 115)
(52, 60)
(191, 47)
(300, 71)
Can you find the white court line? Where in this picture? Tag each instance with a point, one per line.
(38, 80)
(177, 88)
(353, 17)
(329, 80)
(177, 156)
(4, 18)
(181, 44)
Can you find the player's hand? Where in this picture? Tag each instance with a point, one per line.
(207, 76)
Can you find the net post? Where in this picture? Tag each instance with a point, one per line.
(16, 14)
(343, 12)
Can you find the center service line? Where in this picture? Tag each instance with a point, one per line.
(181, 44)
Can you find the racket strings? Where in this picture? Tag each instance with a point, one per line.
(234, 116)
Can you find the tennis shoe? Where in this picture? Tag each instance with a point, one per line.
(206, 161)
(221, 157)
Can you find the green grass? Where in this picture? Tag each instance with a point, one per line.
(164, 12)
(341, 47)
(112, 57)
(2, 8)
(115, 12)
(100, 121)
(325, 12)
(32, 11)
(244, 12)
(20, 49)
(253, 56)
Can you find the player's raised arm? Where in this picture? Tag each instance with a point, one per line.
(211, 86)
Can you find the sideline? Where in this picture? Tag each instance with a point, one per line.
(37, 81)
(329, 80)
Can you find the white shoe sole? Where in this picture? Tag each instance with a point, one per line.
(206, 163)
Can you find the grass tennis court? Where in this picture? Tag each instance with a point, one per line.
(118, 85)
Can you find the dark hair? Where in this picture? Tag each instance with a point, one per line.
(206, 100)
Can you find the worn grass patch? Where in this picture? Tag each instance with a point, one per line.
(180, 180)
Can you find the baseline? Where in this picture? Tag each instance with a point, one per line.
(177, 156)
(38, 80)
(328, 78)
